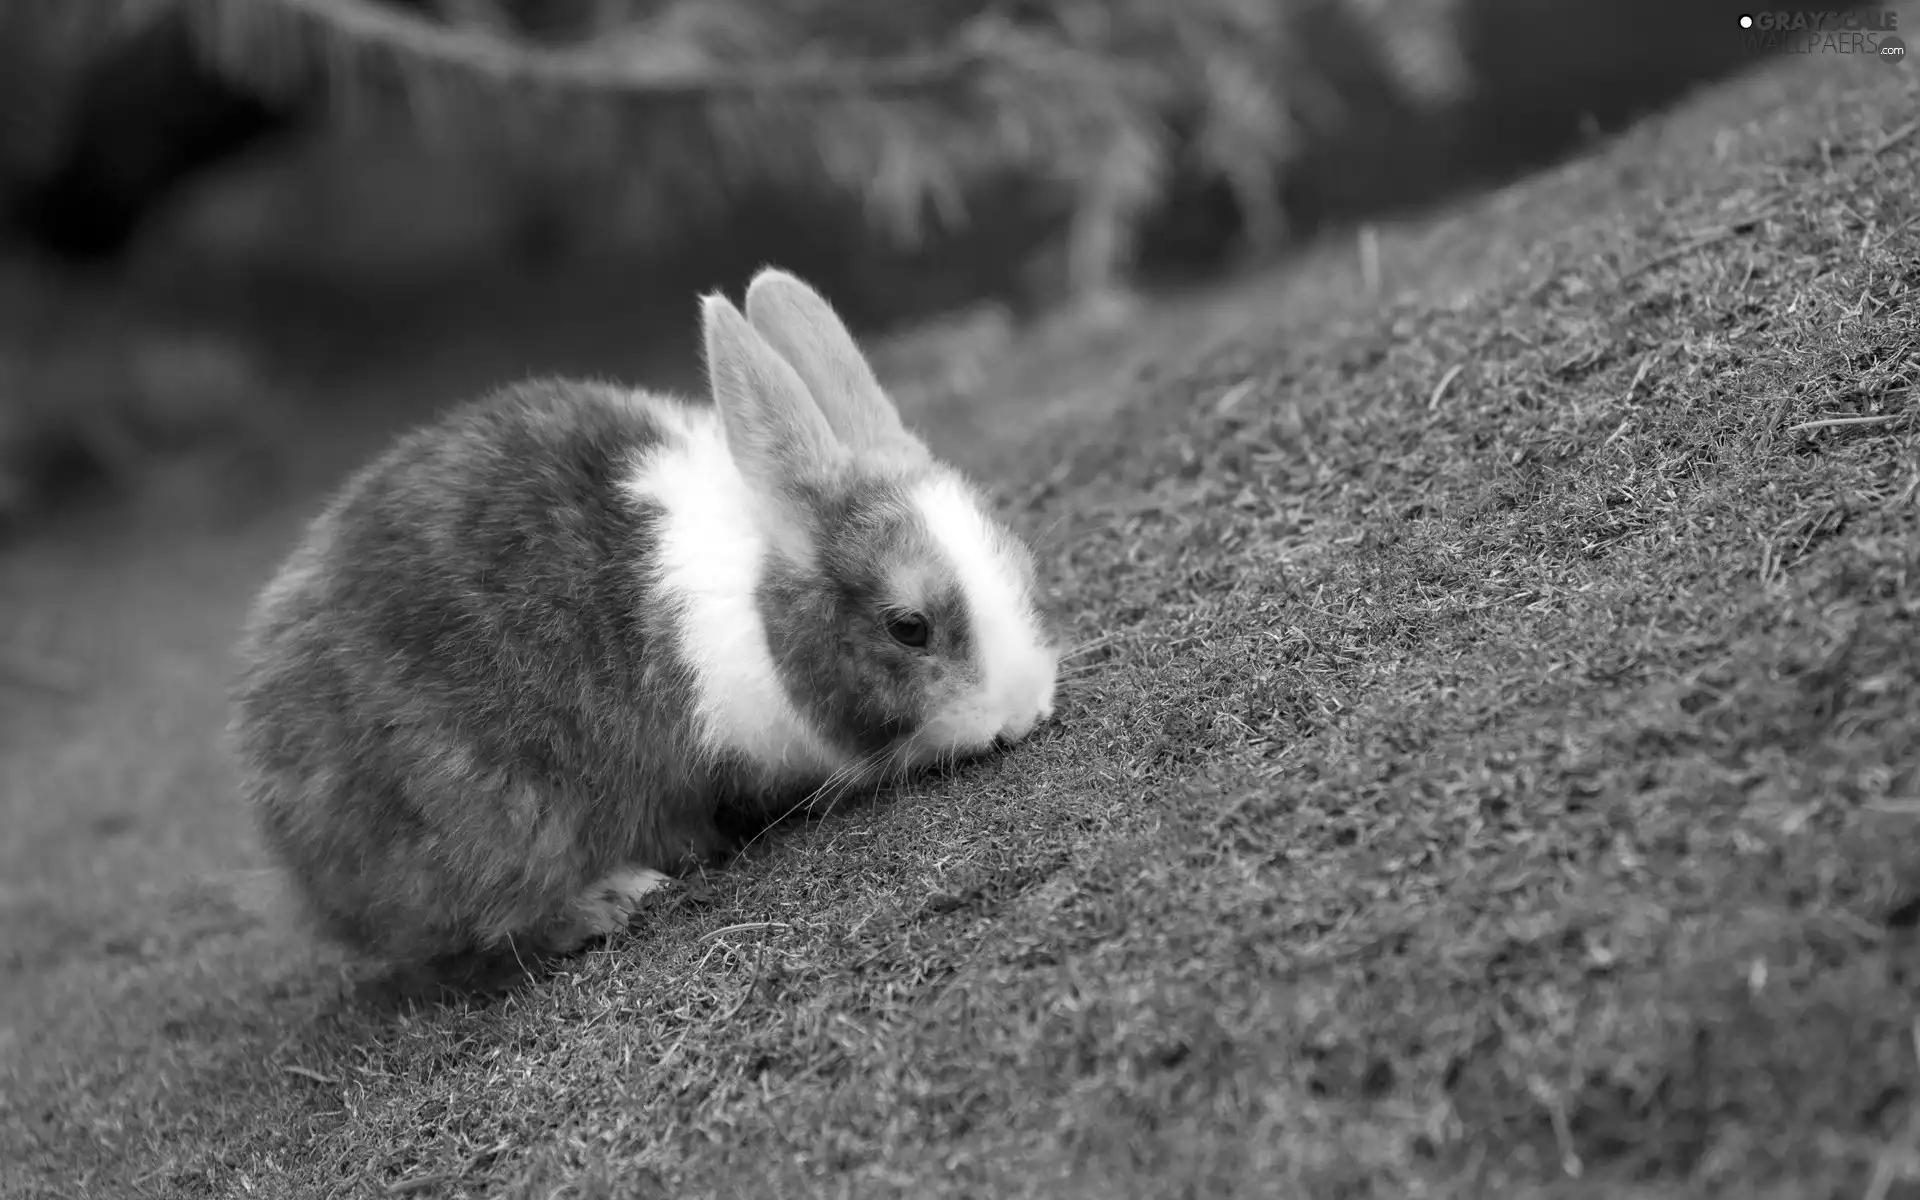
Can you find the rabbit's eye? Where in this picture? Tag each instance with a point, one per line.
(909, 629)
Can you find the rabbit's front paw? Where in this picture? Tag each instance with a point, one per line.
(609, 903)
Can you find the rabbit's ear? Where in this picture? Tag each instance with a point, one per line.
(774, 429)
(798, 322)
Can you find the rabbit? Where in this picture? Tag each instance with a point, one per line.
(523, 660)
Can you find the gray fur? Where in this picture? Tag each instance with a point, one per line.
(457, 706)
(855, 681)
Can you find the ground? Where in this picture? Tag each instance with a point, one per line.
(1491, 767)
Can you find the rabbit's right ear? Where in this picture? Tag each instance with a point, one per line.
(801, 325)
(774, 428)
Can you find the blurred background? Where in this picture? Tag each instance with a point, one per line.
(215, 214)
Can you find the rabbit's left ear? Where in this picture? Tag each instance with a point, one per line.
(774, 429)
(798, 322)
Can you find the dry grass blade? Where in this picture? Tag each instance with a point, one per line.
(1894, 137)
(743, 927)
(1846, 422)
(1440, 389)
(746, 993)
(1700, 242)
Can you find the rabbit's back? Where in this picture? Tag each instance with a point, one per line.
(456, 704)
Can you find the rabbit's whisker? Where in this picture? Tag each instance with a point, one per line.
(849, 777)
(1045, 535)
(842, 777)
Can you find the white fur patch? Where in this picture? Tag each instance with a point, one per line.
(1017, 666)
(627, 886)
(711, 551)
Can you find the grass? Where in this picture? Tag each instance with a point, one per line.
(1494, 772)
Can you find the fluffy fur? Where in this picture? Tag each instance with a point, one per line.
(710, 552)
(524, 657)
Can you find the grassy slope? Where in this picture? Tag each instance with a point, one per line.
(1474, 783)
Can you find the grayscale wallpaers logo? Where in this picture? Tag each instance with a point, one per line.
(1811, 31)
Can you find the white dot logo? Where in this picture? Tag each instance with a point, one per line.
(1746, 22)
(1892, 49)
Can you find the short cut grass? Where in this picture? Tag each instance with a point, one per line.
(1493, 771)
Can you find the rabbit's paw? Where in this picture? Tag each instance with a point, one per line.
(618, 895)
(609, 903)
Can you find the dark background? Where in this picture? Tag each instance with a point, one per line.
(202, 214)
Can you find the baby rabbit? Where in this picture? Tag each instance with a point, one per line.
(521, 661)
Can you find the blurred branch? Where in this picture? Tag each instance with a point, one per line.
(283, 42)
(1296, 111)
(905, 130)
